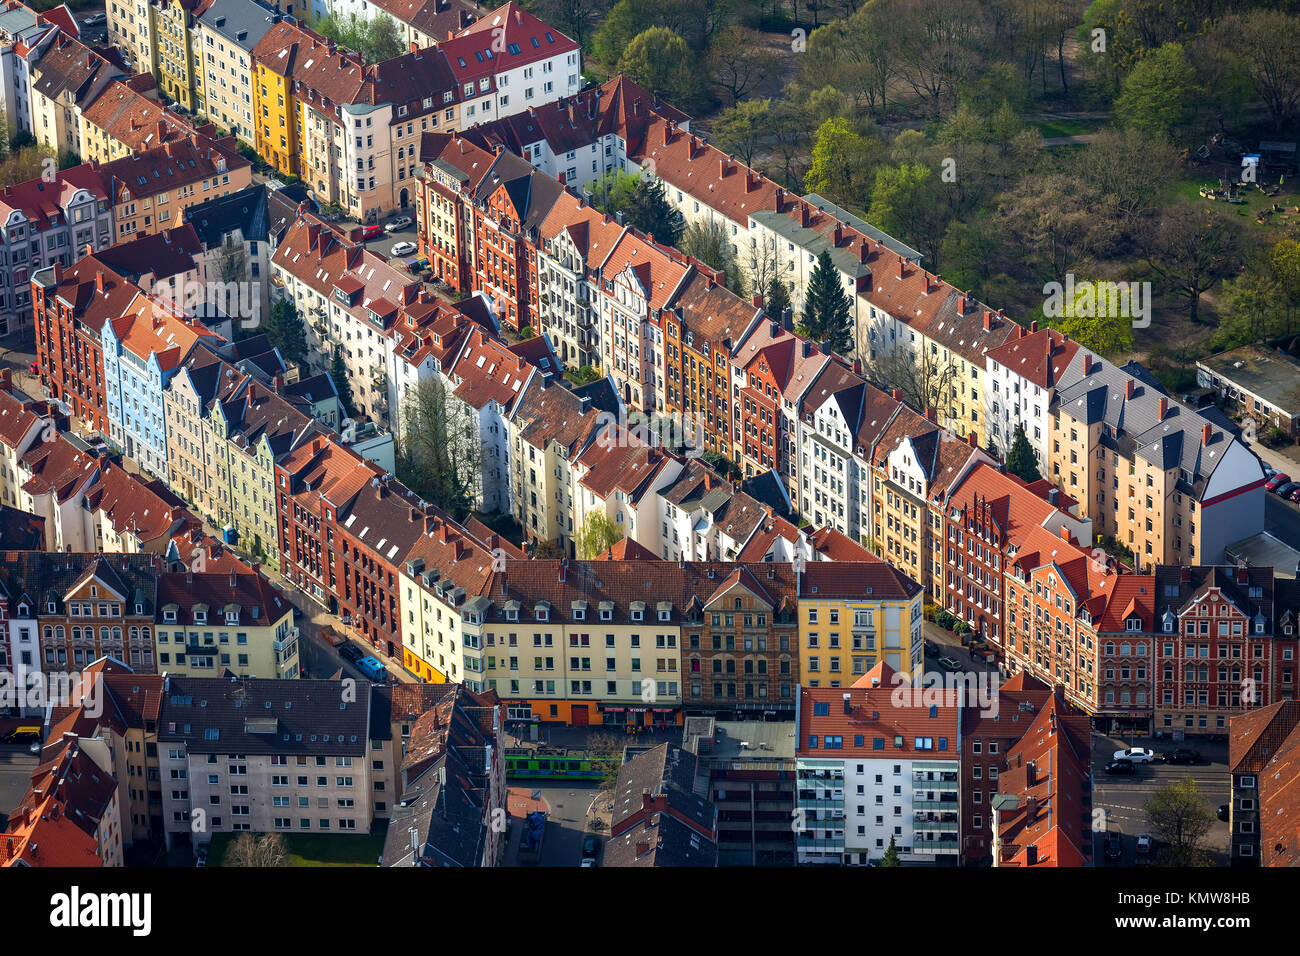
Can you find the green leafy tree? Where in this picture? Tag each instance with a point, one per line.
(742, 129)
(905, 202)
(1021, 460)
(1180, 819)
(707, 241)
(891, 855)
(842, 162)
(286, 330)
(627, 19)
(376, 38)
(643, 201)
(660, 60)
(739, 61)
(597, 535)
(827, 312)
(1159, 95)
(339, 373)
(1087, 320)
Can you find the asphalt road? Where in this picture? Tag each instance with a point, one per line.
(1122, 797)
(566, 824)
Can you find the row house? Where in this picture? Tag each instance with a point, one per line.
(579, 139)
(450, 794)
(423, 342)
(574, 241)
(509, 206)
(451, 169)
(233, 231)
(154, 188)
(266, 756)
(225, 32)
(53, 477)
(66, 610)
(702, 516)
(24, 422)
(116, 718)
(1224, 641)
(123, 513)
(877, 765)
(1023, 375)
(982, 523)
(142, 351)
(1041, 812)
(71, 814)
(350, 299)
(854, 614)
(671, 824)
(65, 82)
(167, 268)
(211, 623)
(24, 37)
(991, 747)
(620, 478)
(42, 223)
(1262, 759)
(124, 119)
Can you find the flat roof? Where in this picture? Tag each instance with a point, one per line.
(1269, 374)
(766, 740)
(1263, 550)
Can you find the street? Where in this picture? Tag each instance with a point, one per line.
(1122, 797)
(566, 823)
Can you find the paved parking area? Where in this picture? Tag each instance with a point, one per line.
(566, 823)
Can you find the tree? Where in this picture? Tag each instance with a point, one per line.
(1021, 460)
(1265, 41)
(339, 373)
(891, 855)
(643, 200)
(440, 455)
(627, 19)
(742, 129)
(288, 333)
(905, 202)
(776, 297)
(739, 60)
(574, 17)
(1193, 248)
(827, 312)
(257, 849)
(597, 535)
(842, 161)
(924, 379)
(660, 60)
(707, 241)
(1131, 168)
(1179, 817)
(376, 38)
(1087, 320)
(1159, 95)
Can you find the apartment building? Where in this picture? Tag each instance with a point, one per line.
(265, 756)
(1261, 758)
(123, 120)
(421, 22)
(42, 223)
(658, 819)
(214, 622)
(877, 764)
(24, 422)
(65, 82)
(225, 32)
(24, 36)
(853, 615)
(152, 190)
(1023, 375)
(450, 170)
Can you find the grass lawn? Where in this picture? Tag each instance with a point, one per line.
(315, 849)
(1256, 202)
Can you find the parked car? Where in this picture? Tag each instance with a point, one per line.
(1136, 754)
(1269, 471)
(1284, 491)
(350, 652)
(201, 855)
(590, 846)
(373, 668)
(95, 19)
(1182, 756)
(1114, 845)
(404, 248)
(1278, 480)
(34, 368)
(950, 663)
(1295, 495)
(1121, 767)
(401, 222)
(369, 232)
(1224, 812)
(1144, 849)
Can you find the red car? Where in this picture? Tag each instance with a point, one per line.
(1277, 481)
(369, 232)
(1294, 496)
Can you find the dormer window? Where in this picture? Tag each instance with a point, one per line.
(543, 614)
(169, 615)
(512, 614)
(139, 609)
(638, 615)
(579, 614)
(606, 614)
(1133, 624)
(232, 617)
(200, 617)
(51, 607)
(664, 615)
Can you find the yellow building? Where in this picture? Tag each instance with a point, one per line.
(853, 615)
(177, 61)
(209, 623)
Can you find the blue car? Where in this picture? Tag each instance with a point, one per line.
(373, 668)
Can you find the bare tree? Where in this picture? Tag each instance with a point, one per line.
(258, 849)
(925, 380)
(441, 453)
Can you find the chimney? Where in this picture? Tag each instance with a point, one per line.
(722, 168)
(838, 236)
(1033, 326)
(1065, 533)
(1184, 575)
(931, 414)
(900, 267)
(857, 366)
(1128, 388)
(58, 273)
(970, 440)
(99, 280)
(415, 48)
(668, 133)
(756, 300)
(1206, 430)
(804, 214)
(988, 321)
(561, 177)
(862, 252)
(1162, 408)
(896, 394)
(1087, 363)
